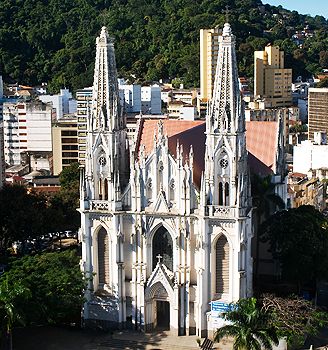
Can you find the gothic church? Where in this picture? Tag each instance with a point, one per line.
(166, 225)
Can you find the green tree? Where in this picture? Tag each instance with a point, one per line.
(265, 202)
(298, 239)
(294, 317)
(56, 284)
(12, 296)
(22, 215)
(323, 83)
(66, 202)
(250, 326)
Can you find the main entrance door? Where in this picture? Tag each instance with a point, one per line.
(163, 314)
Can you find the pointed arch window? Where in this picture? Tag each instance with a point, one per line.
(222, 266)
(149, 190)
(160, 177)
(163, 246)
(103, 257)
(172, 191)
(226, 194)
(220, 193)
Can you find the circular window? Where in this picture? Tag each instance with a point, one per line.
(102, 161)
(224, 163)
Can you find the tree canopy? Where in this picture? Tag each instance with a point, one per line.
(298, 238)
(54, 41)
(56, 285)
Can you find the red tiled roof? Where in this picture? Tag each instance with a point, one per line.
(262, 143)
(185, 132)
(170, 127)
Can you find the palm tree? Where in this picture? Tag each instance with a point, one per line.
(249, 326)
(10, 295)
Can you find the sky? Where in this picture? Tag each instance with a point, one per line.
(312, 7)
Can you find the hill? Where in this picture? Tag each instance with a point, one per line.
(54, 40)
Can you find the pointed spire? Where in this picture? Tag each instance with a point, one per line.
(105, 100)
(224, 111)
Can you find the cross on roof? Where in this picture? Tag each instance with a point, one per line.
(226, 12)
(159, 257)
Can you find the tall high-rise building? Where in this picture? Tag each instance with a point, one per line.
(167, 231)
(272, 81)
(27, 128)
(209, 45)
(84, 101)
(318, 111)
(64, 143)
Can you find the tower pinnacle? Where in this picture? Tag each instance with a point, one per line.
(105, 101)
(224, 113)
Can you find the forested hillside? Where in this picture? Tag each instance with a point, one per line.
(54, 40)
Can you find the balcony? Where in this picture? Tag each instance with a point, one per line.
(223, 212)
(99, 205)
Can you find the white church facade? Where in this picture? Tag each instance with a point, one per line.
(166, 226)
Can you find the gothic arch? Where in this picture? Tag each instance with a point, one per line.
(162, 245)
(159, 290)
(102, 258)
(221, 266)
(150, 240)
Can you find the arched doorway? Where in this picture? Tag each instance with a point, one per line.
(162, 248)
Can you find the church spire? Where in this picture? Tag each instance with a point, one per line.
(105, 101)
(224, 114)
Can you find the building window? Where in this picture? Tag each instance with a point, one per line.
(222, 266)
(163, 248)
(226, 194)
(103, 257)
(220, 193)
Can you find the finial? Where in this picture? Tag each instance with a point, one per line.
(103, 31)
(226, 30)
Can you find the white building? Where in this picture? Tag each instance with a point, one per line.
(130, 96)
(2, 157)
(309, 156)
(170, 230)
(27, 128)
(63, 103)
(151, 102)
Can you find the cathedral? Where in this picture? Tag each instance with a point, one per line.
(166, 223)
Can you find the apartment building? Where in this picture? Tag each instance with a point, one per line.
(84, 100)
(27, 128)
(209, 46)
(272, 81)
(317, 111)
(65, 143)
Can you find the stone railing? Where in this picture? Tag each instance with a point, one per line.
(225, 212)
(99, 205)
(221, 211)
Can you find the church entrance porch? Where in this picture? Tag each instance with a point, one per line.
(162, 315)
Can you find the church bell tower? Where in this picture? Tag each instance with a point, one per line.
(105, 173)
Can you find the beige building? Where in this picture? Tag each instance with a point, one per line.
(65, 143)
(272, 81)
(84, 98)
(318, 111)
(209, 46)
